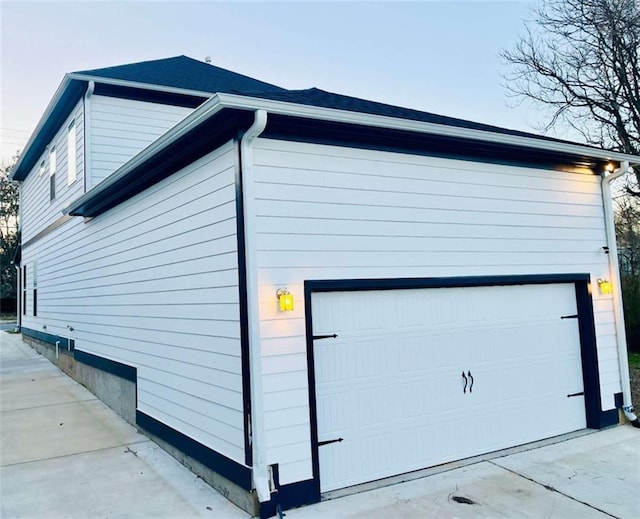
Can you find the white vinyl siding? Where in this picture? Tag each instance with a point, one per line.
(121, 128)
(326, 212)
(153, 283)
(37, 211)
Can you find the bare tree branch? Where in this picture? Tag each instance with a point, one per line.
(579, 60)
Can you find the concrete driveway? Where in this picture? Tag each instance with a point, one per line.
(7, 325)
(596, 475)
(65, 454)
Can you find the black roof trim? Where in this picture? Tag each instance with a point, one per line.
(402, 141)
(70, 96)
(148, 95)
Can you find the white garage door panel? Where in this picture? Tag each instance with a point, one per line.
(391, 384)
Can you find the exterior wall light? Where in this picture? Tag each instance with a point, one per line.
(285, 298)
(605, 286)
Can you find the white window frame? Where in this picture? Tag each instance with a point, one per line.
(53, 161)
(52, 174)
(72, 173)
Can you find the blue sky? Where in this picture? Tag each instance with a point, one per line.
(441, 57)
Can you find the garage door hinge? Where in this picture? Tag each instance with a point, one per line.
(327, 442)
(575, 316)
(332, 336)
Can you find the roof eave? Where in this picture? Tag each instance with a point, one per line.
(83, 205)
(86, 204)
(25, 160)
(344, 116)
(39, 139)
(140, 85)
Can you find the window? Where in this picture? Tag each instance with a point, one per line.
(71, 153)
(24, 290)
(52, 161)
(35, 288)
(52, 173)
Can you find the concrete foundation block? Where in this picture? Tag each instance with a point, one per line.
(246, 500)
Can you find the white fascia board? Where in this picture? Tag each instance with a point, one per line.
(144, 86)
(47, 113)
(345, 116)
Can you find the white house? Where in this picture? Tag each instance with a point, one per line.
(299, 292)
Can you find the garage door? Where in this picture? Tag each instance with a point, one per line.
(420, 377)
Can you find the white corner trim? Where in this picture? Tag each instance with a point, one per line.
(614, 274)
(260, 469)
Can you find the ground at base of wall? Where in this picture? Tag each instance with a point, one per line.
(120, 395)
(634, 375)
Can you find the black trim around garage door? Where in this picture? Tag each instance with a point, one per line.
(595, 417)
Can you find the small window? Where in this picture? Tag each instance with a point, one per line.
(24, 290)
(52, 173)
(34, 277)
(71, 153)
(52, 161)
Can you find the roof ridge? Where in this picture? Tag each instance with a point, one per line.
(143, 62)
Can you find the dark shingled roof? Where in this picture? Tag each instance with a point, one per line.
(188, 73)
(324, 99)
(184, 72)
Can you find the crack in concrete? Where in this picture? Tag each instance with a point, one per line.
(553, 489)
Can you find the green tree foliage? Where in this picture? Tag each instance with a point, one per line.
(9, 207)
(578, 61)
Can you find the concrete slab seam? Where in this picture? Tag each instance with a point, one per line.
(553, 489)
(48, 405)
(146, 440)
